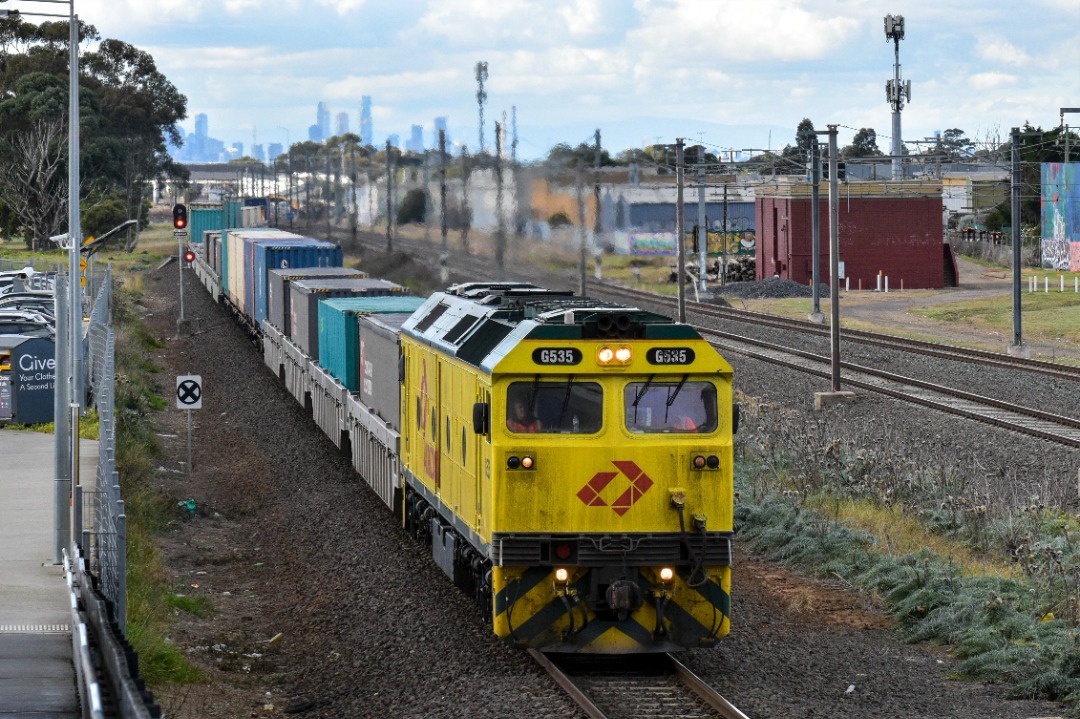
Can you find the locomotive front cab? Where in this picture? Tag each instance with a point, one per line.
(613, 515)
(571, 460)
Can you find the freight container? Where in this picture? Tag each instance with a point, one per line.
(380, 348)
(277, 289)
(290, 254)
(212, 251)
(232, 214)
(233, 273)
(341, 322)
(238, 258)
(204, 217)
(304, 305)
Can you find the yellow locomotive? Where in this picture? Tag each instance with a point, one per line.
(570, 461)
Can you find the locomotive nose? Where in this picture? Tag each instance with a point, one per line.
(624, 596)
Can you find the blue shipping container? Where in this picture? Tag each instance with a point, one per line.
(291, 254)
(339, 343)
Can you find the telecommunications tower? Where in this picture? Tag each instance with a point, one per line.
(896, 91)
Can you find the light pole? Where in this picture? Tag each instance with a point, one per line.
(74, 244)
(288, 179)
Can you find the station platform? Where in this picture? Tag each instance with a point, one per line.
(37, 673)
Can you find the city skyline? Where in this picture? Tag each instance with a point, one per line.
(201, 146)
(727, 75)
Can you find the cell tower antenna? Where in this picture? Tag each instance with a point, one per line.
(896, 91)
(481, 97)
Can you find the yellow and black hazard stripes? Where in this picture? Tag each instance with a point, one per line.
(531, 608)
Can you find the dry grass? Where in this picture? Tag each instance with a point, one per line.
(899, 534)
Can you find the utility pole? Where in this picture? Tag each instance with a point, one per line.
(816, 315)
(1017, 347)
(679, 225)
(327, 192)
(834, 259)
(724, 244)
(598, 226)
(702, 229)
(354, 211)
(581, 222)
(389, 200)
(466, 212)
(444, 273)
(500, 222)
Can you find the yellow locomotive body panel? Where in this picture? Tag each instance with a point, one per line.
(592, 476)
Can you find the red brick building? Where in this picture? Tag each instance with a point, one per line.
(892, 228)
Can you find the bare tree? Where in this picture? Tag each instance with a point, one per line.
(33, 180)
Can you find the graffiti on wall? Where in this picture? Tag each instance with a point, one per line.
(742, 242)
(1061, 216)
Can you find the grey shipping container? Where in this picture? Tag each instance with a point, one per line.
(380, 388)
(304, 297)
(277, 289)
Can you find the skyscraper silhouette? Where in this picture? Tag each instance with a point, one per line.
(366, 129)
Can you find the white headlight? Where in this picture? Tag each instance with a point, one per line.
(561, 575)
(666, 574)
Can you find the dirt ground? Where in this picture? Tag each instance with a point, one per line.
(894, 312)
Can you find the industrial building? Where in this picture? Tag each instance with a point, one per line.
(886, 230)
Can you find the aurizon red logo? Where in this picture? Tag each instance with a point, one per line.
(639, 485)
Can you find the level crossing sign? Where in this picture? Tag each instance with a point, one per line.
(189, 391)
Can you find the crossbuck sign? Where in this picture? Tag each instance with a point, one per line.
(189, 391)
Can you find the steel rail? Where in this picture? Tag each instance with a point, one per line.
(1052, 427)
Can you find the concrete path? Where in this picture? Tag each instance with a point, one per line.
(37, 677)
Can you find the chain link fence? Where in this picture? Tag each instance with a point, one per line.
(104, 524)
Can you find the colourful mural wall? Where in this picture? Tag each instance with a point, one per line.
(1061, 216)
(742, 242)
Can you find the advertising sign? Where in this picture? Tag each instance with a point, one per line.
(33, 380)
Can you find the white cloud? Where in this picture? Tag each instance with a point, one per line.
(1004, 52)
(766, 30)
(984, 81)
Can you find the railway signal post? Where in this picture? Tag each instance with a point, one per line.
(180, 222)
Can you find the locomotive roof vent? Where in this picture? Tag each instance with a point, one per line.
(491, 292)
(612, 325)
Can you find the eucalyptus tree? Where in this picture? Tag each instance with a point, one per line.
(127, 111)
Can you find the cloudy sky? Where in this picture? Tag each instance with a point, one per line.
(727, 73)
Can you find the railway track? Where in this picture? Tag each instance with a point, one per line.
(892, 342)
(1026, 420)
(621, 687)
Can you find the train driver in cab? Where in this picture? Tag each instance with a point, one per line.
(520, 418)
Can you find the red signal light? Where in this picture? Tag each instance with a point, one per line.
(189, 257)
(179, 216)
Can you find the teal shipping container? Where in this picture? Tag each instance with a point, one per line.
(233, 214)
(204, 217)
(339, 335)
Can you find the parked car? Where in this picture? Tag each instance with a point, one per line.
(41, 301)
